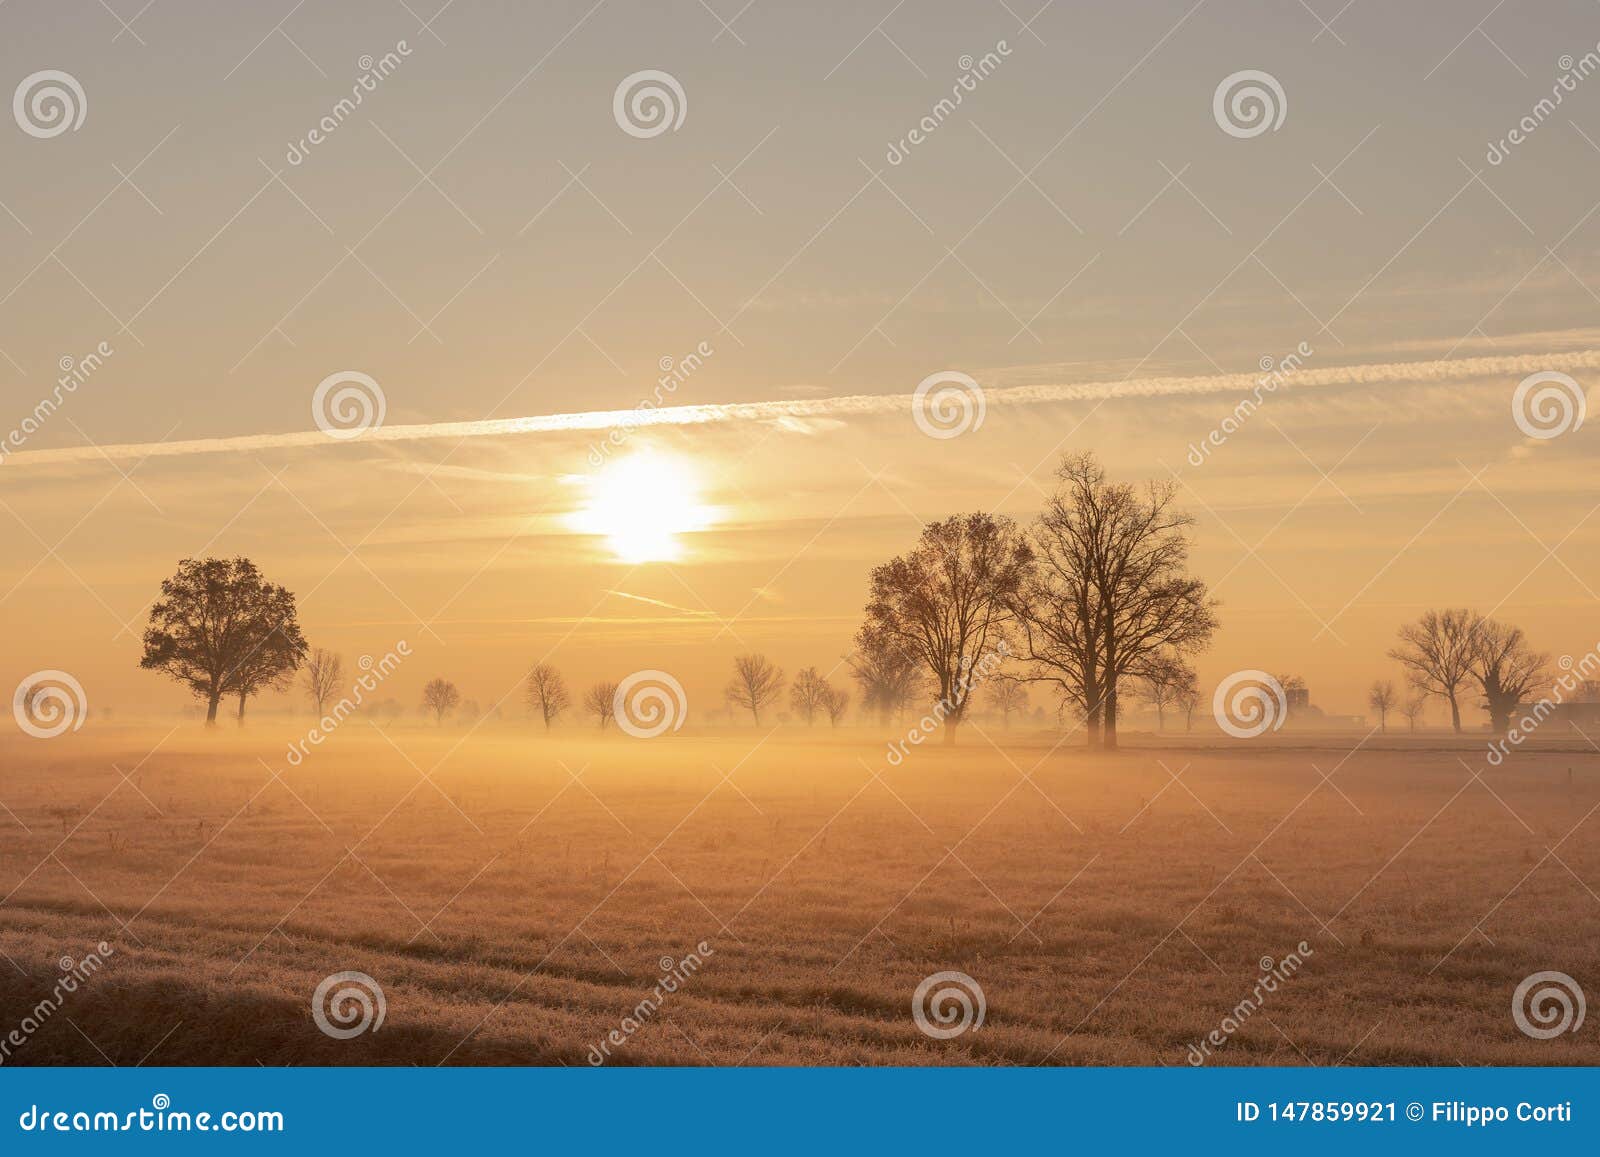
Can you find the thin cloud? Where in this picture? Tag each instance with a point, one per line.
(802, 410)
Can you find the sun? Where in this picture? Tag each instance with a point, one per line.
(641, 504)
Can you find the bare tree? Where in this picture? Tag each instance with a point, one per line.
(1188, 700)
(1007, 695)
(324, 670)
(547, 693)
(1413, 709)
(1506, 669)
(441, 697)
(600, 701)
(220, 629)
(756, 683)
(1382, 698)
(887, 673)
(947, 602)
(835, 702)
(1437, 652)
(1163, 683)
(808, 694)
(1110, 595)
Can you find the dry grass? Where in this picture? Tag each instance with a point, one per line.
(515, 915)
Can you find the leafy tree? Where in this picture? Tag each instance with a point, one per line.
(756, 683)
(547, 693)
(441, 697)
(947, 602)
(219, 628)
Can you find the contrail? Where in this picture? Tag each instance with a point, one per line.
(1511, 369)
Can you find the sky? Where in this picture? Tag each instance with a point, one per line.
(492, 243)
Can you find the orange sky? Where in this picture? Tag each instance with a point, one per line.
(483, 240)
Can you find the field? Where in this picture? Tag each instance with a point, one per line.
(517, 896)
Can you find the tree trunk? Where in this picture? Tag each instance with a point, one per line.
(1110, 739)
(241, 708)
(1455, 713)
(213, 700)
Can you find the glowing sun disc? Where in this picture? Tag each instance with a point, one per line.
(641, 504)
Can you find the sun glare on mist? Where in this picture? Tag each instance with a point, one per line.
(642, 504)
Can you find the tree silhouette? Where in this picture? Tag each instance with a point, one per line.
(547, 693)
(887, 673)
(755, 684)
(1165, 683)
(324, 669)
(1382, 698)
(835, 702)
(1437, 652)
(441, 697)
(600, 701)
(1506, 669)
(219, 628)
(1007, 695)
(1413, 709)
(946, 602)
(808, 694)
(1110, 596)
